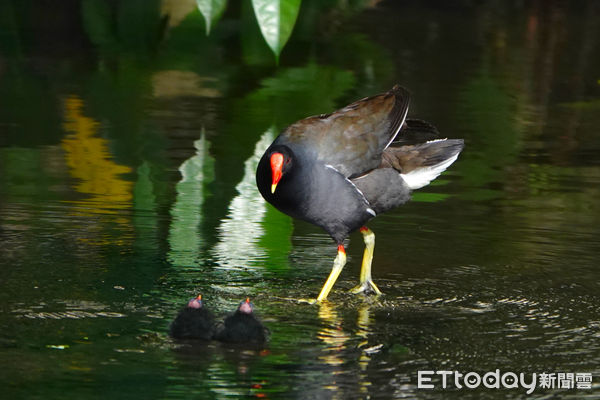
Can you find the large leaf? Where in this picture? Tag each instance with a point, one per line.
(211, 10)
(255, 50)
(276, 19)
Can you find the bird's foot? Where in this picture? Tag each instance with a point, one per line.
(366, 287)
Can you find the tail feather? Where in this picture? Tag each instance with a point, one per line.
(421, 163)
(415, 131)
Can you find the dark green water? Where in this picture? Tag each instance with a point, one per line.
(127, 155)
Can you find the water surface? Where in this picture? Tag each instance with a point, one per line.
(127, 159)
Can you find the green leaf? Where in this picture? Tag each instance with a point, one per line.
(255, 50)
(211, 10)
(276, 19)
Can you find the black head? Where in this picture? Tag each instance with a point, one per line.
(281, 160)
(196, 302)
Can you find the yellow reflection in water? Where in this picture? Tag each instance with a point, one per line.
(364, 330)
(89, 161)
(333, 335)
(336, 339)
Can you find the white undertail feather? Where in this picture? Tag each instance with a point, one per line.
(420, 177)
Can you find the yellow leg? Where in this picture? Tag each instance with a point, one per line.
(366, 281)
(338, 264)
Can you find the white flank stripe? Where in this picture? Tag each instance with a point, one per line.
(418, 178)
(436, 140)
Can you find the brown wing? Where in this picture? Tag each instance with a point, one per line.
(408, 158)
(353, 138)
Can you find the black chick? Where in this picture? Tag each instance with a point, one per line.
(193, 322)
(242, 326)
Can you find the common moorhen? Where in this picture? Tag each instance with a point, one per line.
(194, 321)
(242, 326)
(340, 170)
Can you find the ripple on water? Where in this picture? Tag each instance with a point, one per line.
(73, 309)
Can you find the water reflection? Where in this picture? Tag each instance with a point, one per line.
(344, 351)
(185, 238)
(332, 355)
(332, 334)
(177, 84)
(145, 218)
(90, 163)
(217, 371)
(240, 232)
(73, 309)
(98, 177)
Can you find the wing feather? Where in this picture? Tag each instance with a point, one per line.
(353, 139)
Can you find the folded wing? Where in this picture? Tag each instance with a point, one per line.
(352, 139)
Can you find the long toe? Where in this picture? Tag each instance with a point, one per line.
(366, 287)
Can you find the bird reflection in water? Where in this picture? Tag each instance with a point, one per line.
(363, 323)
(339, 342)
(332, 334)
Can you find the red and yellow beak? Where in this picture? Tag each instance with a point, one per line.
(276, 169)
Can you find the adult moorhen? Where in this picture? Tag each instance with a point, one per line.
(194, 321)
(342, 169)
(242, 326)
